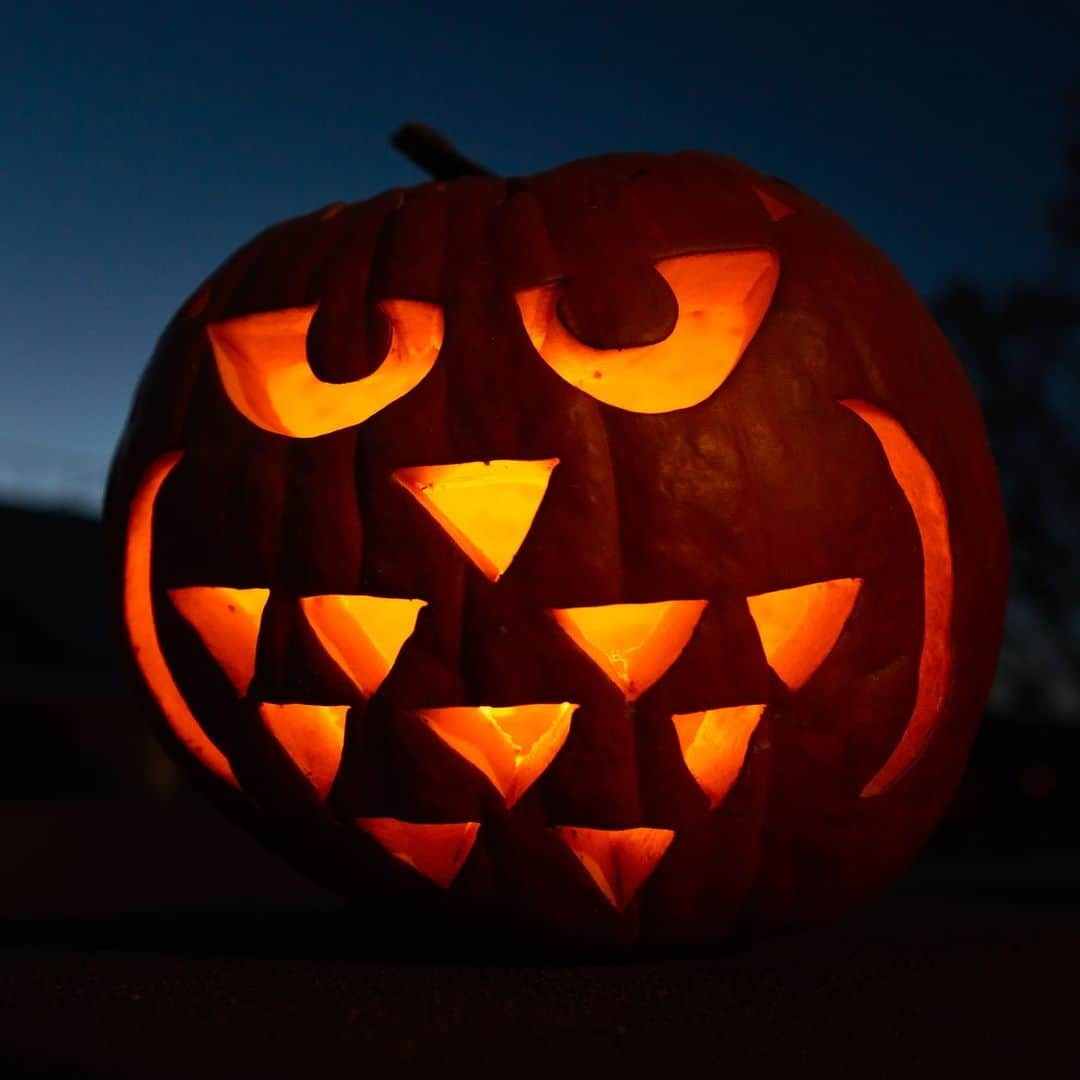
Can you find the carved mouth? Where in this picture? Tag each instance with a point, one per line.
(487, 509)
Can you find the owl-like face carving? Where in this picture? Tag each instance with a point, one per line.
(615, 552)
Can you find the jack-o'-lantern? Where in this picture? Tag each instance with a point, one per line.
(613, 554)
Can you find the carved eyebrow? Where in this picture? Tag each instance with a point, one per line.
(723, 296)
(263, 364)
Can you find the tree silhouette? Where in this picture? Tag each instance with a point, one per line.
(1022, 351)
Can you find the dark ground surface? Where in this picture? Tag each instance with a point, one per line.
(915, 986)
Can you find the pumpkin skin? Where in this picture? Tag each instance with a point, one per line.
(773, 480)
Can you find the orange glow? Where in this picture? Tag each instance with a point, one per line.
(714, 743)
(773, 206)
(923, 491)
(362, 634)
(510, 745)
(799, 627)
(142, 630)
(263, 364)
(228, 621)
(486, 507)
(633, 644)
(722, 296)
(618, 860)
(436, 851)
(312, 735)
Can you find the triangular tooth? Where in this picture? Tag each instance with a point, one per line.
(312, 735)
(687, 726)
(362, 634)
(228, 622)
(436, 851)
(633, 644)
(799, 627)
(486, 507)
(618, 860)
(510, 745)
(714, 744)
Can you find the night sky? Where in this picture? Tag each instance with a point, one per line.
(138, 149)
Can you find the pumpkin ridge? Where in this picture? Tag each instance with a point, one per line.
(629, 711)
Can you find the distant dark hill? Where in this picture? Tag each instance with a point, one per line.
(71, 724)
(52, 587)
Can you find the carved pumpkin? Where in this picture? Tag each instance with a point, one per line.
(614, 554)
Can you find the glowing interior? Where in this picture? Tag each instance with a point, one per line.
(263, 364)
(312, 735)
(799, 627)
(633, 644)
(436, 851)
(228, 622)
(714, 743)
(142, 630)
(773, 206)
(362, 634)
(510, 745)
(486, 507)
(722, 296)
(618, 860)
(923, 491)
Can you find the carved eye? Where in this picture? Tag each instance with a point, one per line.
(263, 364)
(722, 297)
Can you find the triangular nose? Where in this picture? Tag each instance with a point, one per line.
(618, 860)
(633, 644)
(486, 507)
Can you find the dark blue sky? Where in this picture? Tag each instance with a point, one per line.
(137, 149)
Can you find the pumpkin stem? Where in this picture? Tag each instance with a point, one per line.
(428, 150)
